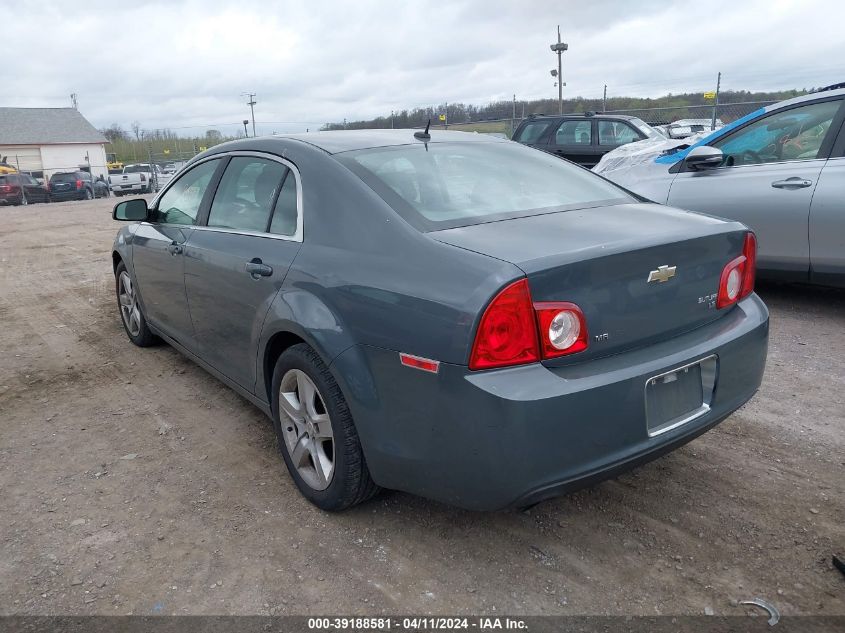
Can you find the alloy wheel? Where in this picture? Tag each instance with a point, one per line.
(307, 429)
(130, 312)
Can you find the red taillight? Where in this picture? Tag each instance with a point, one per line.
(79, 184)
(737, 280)
(563, 328)
(507, 333)
(749, 249)
(5, 188)
(515, 331)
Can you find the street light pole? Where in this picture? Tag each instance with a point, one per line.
(246, 134)
(558, 48)
(251, 103)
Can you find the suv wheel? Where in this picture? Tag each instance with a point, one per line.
(316, 434)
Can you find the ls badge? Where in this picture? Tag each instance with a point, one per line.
(662, 274)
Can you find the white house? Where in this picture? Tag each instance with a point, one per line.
(43, 141)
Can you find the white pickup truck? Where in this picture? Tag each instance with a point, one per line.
(136, 179)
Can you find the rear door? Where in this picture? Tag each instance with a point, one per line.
(158, 251)
(236, 263)
(827, 219)
(772, 166)
(574, 139)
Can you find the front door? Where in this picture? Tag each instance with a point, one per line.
(236, 264)
(771, 169)
(158, 253)
(573, 140)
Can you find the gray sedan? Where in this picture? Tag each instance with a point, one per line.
(780, 170)
(452, 315)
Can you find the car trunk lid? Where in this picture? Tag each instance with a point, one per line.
(640, 272)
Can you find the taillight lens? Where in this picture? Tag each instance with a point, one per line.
(515, 331)
(79, 184)
(563, 328)
(737, 280)
(507, 333)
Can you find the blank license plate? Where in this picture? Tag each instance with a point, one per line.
(679, 396)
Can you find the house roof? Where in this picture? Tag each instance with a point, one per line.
(46, 126)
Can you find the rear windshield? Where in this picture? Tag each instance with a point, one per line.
(445, 185)
(8, 180)
(64, 178)
(136, 169)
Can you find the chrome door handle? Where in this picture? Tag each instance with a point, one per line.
(792, 183)
(258, 269)
(174, 248)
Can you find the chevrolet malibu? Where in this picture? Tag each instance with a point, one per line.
(449, 314)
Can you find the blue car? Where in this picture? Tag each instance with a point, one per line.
(449, 314)
(780, 170)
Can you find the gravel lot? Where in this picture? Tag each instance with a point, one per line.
(131, 481)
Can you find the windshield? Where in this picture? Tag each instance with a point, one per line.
(444, 185)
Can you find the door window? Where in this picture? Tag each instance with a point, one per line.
(247, 192)
(616, 133)
(795, 134)
(180, 204)
(574, 133)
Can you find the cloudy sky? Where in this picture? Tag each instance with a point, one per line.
(183, 64)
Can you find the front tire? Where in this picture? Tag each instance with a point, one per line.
(131, 314)
(87, 195)
(316, 434)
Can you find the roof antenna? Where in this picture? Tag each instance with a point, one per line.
(424, 136)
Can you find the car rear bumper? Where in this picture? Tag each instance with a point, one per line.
(511, 437)
(73, 194)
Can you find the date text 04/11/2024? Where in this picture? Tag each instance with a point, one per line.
(428, 623)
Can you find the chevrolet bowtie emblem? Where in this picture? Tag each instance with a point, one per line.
(662, 274)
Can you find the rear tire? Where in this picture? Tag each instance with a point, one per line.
(129, 307)
(315, 430)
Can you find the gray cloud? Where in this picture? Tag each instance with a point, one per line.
(178, 64)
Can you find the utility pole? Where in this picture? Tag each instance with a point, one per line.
(446, 117)
(246, 134)
(513, 116)
(251, 103)
(604, 100)
(391, 119)
(716, 103)
(558, 48)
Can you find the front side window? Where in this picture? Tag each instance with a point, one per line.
(531, 132)
(794, 134)
(446, 185)
(180, 204)
(574, 133)
(246, 194)
(616, 133)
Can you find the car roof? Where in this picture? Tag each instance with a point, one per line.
(580, 115)
(336, 141)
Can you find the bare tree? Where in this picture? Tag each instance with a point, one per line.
(115, 133)
(136, 130)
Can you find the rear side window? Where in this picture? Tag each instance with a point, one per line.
(285, 213)
(574, 133)
(531, 132)
(444, 185)
(246, 194)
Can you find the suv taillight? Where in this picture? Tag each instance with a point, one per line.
(737, 280)
(79, 184)
(514, 331)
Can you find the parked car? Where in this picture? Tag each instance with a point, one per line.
(452, 315)
(21, 189)
(684, 128)
(780, 170)
(133, 179)
(71, 185)
(582, 138)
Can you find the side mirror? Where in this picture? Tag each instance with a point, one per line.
(704, 157)
(131, 210)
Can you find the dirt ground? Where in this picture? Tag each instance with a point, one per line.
(132, 482)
